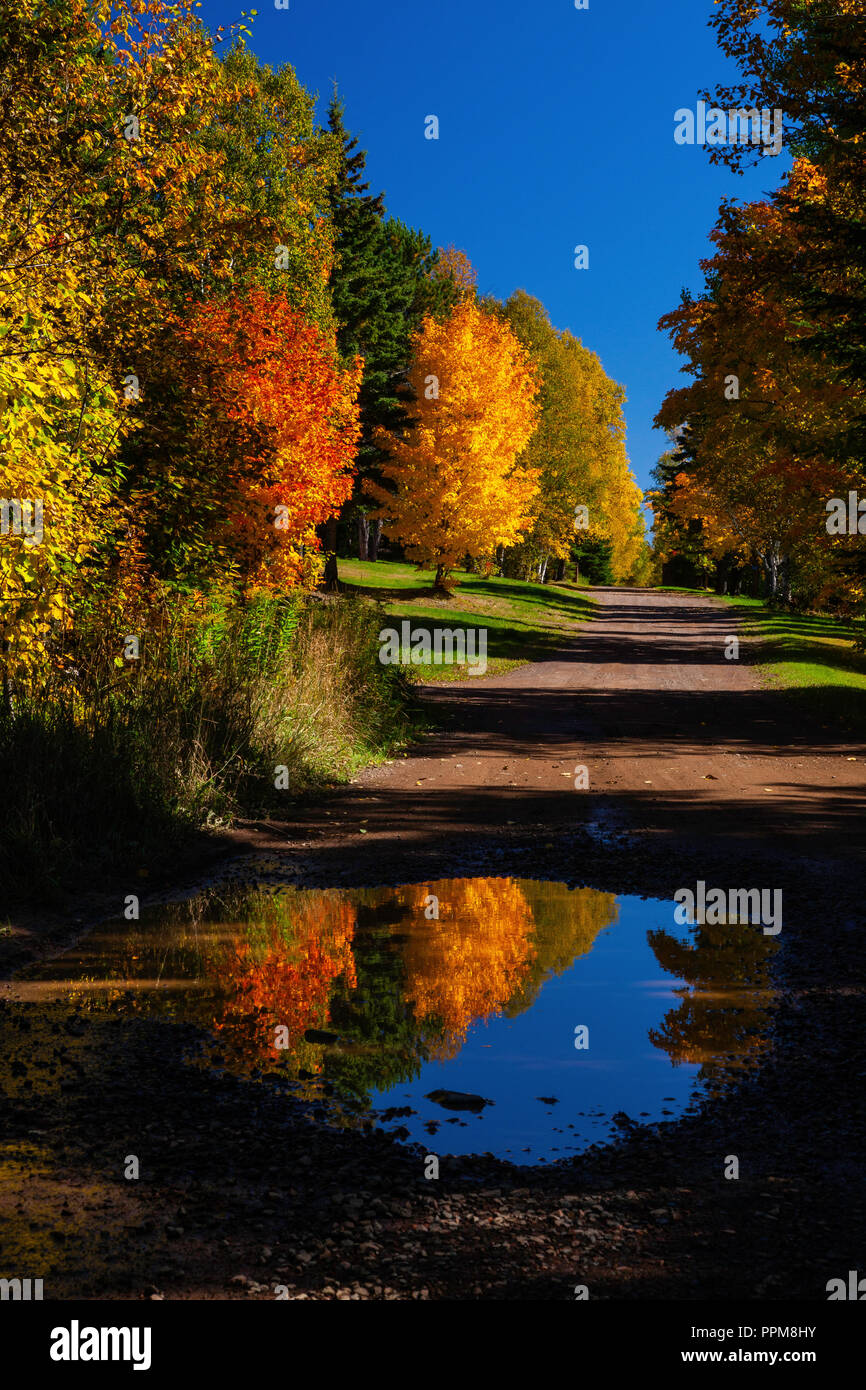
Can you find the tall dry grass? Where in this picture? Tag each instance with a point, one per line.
(110, 760)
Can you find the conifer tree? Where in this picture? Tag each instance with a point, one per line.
(382, 285)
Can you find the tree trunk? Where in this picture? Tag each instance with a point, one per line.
(786, 579)
(771, 565)
(375, 537)
(331, 578)
(363, 536)
(542, 570)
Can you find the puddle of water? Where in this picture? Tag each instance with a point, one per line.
(494, 1015)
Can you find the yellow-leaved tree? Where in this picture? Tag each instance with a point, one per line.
(467, 965)
(579, 450)
(59, 419)
(452, 486)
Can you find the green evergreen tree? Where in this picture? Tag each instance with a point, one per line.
(382, 285)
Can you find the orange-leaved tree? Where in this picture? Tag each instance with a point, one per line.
(769, 418)
(452, 485)
(278, 972)
(256, 441)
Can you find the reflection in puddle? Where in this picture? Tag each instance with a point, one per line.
(458, 1009)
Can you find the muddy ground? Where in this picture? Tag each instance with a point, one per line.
(696, 771)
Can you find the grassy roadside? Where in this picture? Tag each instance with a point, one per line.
(810, 657)
(114, 774)
(524, 622)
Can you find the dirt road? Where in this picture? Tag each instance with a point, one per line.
(677, 740)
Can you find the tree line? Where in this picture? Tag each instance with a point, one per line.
(215, 344)
(762, 485)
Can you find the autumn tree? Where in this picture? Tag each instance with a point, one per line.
(58, 478)
(108, 194)
(263, 240)
(264, 426)
(761, 424)
(809, 61)
(561, 446)
(278, 172)
(587, 495)
(454, 270)
(452, 485)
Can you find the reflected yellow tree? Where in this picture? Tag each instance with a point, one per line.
(466, 965)
(566, 924)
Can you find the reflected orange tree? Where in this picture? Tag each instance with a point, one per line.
(398, 986)
(280, 972)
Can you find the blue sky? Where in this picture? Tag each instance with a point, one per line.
(556, 129)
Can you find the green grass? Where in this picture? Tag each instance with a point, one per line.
(680, 589)
(524, 622)
(810, 656)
